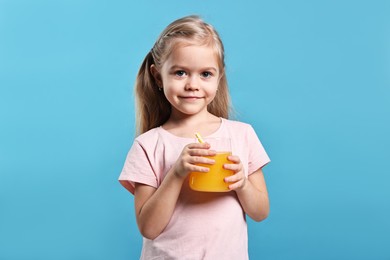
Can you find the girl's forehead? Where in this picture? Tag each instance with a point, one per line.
(193, 55)
(193, 49)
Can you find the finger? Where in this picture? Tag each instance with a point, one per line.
(234, 178)
(195, 168)
(201, 160)
(202, 152)
(234, 158)
(198, 146)
(232, 167)
(236, 185)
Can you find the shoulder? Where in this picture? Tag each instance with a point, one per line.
(241, 130)
(236, 125)
(148, 137)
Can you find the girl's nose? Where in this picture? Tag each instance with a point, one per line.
(192, 83)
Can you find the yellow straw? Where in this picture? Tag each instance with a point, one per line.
(199, 137)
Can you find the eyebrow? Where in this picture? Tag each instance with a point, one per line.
(177, 67)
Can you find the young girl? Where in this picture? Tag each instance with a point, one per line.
(181, 89)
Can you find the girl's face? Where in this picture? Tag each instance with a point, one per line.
(189, 78)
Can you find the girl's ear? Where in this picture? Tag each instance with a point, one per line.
(156, 75)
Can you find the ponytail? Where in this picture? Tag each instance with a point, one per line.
(152, 107)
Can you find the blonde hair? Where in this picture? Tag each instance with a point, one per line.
(152, 107)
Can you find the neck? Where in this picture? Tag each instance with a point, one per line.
(185, 126)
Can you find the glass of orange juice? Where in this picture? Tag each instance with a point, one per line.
(213, 180)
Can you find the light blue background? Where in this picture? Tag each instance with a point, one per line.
(312, 77)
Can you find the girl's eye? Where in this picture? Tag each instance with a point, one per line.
(206, 74)
(180, 73)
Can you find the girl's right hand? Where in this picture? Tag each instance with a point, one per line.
(192, 155)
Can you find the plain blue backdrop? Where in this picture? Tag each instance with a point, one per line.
(312, 77)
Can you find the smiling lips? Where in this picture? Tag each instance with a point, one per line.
(190, 97)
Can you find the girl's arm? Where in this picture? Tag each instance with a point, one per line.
(252, 191)
(253, 196)
(154, 207)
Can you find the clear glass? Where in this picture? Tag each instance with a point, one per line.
(213, 181)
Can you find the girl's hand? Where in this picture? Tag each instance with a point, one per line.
(238, 179)
(191, 155)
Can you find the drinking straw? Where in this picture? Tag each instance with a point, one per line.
(199, 137)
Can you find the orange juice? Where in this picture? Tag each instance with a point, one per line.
(214, 179)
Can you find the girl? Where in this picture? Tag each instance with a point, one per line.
(181, 89)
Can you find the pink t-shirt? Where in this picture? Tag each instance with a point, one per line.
(204, 225)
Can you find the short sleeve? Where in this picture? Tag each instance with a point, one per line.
(137, 168)
(258, 157)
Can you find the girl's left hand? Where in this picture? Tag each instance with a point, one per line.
(238, 179)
